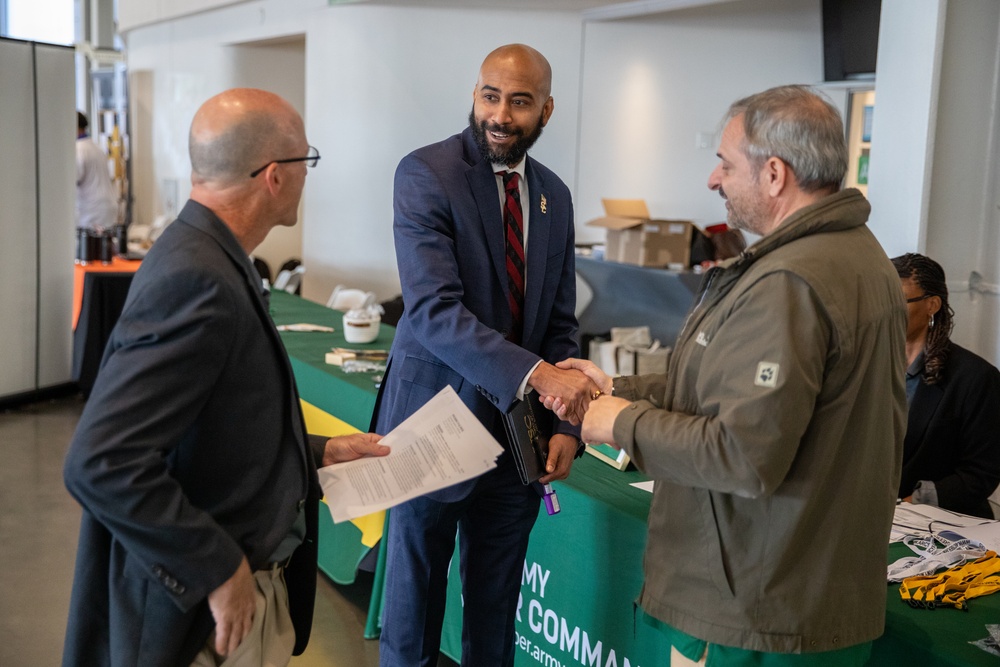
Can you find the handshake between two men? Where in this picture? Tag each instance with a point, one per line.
(570, 389)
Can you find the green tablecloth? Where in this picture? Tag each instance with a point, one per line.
(590, 560)
(348, 396)
(582, 572)
(934, 637)
(584, 566)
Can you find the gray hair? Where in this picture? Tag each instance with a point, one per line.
(798, 126)
(248, 144)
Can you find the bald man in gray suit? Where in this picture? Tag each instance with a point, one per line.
(191, 461)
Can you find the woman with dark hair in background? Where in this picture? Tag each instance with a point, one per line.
(951, 454)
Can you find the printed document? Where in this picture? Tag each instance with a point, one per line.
(440, 444)
(926, 520)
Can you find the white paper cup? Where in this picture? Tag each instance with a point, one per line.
(361, 328)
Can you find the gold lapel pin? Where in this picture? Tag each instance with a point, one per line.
(543, 204)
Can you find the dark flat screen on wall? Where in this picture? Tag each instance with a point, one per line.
(850, 38)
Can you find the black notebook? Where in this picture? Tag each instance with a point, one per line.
(529, 425)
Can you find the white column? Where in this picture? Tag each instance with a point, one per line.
(907, 80)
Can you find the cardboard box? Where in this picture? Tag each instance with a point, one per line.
(635, 238)
(629, 352)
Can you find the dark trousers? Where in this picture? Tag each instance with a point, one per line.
(493, 524)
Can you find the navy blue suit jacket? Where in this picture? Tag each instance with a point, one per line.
(449, 237)
(190, 454)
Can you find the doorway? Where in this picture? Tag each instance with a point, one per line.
(279, 66)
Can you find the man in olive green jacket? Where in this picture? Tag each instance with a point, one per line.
(775, 438)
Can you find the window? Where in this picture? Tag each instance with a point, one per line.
(50, 21)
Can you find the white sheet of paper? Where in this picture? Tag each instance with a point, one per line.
(643, 486)
(987, 532)
(440, 444)
(916, 519)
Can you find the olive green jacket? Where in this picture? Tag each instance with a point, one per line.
(775, 440)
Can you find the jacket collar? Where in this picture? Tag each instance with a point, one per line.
(840, 211)
(204, 219)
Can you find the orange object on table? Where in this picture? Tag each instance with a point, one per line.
(117, 265)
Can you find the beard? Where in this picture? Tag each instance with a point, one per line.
(746, 212)
(512, 155)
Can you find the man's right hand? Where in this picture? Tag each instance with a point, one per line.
(601, 382)
(571, 387)
(233, 605)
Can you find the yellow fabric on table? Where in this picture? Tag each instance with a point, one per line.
(954, 587)
(323, 423)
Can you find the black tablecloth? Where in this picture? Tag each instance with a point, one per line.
(103, 298)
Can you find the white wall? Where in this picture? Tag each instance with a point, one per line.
(962, 209)
(933, 176)
(907, 76)
(651, 85)
(281, 68)
(160, 168)
(376, 92)
(132, 14)
(176, 65)
(631, 96)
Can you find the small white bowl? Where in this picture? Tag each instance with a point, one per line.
(361, 326)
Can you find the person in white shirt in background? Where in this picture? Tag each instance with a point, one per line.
(96, 201)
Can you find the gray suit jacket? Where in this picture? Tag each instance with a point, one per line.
(190, 454)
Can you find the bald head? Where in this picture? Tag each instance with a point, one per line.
(238, 131)
(511, 103)
(523, 59)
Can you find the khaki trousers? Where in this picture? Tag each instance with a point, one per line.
(678, 660)
(272, 637)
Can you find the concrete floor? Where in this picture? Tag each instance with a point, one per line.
(38, 532)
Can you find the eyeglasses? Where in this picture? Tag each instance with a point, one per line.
(310, 161)
(920, 298)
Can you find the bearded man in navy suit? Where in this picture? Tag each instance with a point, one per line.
(464, 326)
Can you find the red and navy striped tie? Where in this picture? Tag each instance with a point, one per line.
(514, 232)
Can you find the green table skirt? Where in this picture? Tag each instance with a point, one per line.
(584, 566)
(590, 559)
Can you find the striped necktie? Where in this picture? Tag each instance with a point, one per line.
(514, 235)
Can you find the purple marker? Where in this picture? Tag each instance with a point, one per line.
(551, 499)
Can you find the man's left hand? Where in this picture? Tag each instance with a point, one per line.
(233, 605)
(354, 446)
(599, 422)
(562, 450)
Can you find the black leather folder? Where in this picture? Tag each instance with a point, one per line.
(529, 425)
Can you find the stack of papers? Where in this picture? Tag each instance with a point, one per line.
(440, 444)
(924, 520)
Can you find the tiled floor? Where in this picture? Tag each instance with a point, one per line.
(38, 526)
(38, 531)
